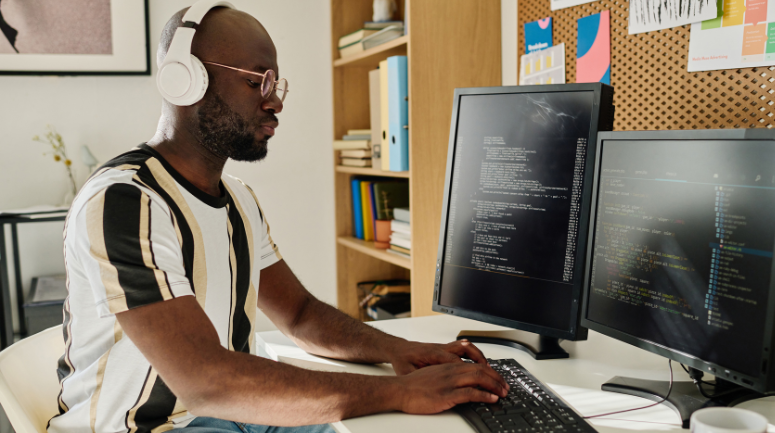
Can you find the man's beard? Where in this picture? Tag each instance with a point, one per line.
(227, 134)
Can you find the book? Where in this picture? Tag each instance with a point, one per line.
(379, 25)
(398, 253)
(382, 234)
(366, 132)
(397, 226)
(357, 36)
(403, 243)
(373, 207)
(374, 105)
(390, 195)
(355, 137)
(356, 162)
(401, 235)
(385, 35)
(398, 116)
(401, 214)
(357, 209)
(352, 144)
(368, 224)
(383, 113)
(355, 153)
(351, 50)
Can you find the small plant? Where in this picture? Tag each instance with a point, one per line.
(58, 150)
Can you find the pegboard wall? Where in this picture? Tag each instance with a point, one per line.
(652, 88)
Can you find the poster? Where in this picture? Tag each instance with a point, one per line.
(543, 67)
(593, 49)
(743, 36)
(651, 15)
(538, 35)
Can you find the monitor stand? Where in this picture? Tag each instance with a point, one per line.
(684, 398)
(538, 346)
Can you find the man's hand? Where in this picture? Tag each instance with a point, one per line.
(440, 387)
(410, 356)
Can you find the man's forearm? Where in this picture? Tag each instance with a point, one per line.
(323, 330)
(244, 388)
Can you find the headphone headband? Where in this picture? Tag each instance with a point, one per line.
(182, 79)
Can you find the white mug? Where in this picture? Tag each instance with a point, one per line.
(727, 420)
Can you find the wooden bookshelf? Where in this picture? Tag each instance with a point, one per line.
(449, 44)
(368, 248)
(371, 172)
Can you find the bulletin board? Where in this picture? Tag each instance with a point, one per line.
(653, 90)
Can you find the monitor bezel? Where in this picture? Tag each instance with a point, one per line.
(759, 383)
(576, 331)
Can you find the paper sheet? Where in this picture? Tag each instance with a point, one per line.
(38, 208)
(593, 50)
(742, 36)
(561, 4)
(543, 67)
(651, 15)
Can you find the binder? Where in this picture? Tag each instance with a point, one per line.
(398, 117)
(357, 208)
(376, 119)
(383, 112)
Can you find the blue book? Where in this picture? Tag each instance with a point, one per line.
(398, 113)
(357, 208)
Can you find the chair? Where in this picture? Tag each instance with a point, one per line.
(28, 380)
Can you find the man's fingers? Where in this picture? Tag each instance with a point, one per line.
(465, 395)
(485, 378)
(472, 352)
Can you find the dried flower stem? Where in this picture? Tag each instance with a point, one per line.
(53, 139)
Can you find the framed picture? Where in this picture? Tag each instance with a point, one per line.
(74, 37)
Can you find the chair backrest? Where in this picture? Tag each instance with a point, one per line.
(28, 380)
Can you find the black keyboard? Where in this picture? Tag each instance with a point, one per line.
(530, 406)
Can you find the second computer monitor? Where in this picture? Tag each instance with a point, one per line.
(516, 203)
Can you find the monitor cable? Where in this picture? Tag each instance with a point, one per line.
(669, 389)
(696, 376)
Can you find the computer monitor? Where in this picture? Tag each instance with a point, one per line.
(516, 203)
(680, 259)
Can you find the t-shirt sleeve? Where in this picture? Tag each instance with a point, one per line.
(270, 254)
(130, 250)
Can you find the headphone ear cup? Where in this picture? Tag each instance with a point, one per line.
(200, 81)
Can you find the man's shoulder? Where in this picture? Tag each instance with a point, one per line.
(243, 193)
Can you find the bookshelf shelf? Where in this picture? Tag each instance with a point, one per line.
(371, 172)
(454, 43)
(368, 248)
(372, 57)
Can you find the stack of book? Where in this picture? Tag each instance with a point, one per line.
(371, 35)
(355, 148)
(401, 233)
(374, 200)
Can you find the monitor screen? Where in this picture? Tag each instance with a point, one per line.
(682, 246)
(514, 206)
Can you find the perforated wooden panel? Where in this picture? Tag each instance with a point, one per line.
(653, 90)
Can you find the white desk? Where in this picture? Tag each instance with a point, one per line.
(577, 380)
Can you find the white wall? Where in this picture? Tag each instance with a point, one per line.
(509, 42)
(112, 114)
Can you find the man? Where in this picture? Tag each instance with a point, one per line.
(167, 262)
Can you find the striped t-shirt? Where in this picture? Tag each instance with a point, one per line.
(139, 233)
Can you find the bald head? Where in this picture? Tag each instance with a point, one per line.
(222, 33)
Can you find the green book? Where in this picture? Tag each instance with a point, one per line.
(390, 195)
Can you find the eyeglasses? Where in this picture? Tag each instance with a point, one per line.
(268, 83)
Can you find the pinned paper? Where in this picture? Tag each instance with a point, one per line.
(543, 67)
(538, 35)
(593, 56)
(651, 15)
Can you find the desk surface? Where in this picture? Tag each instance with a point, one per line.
(577, 380)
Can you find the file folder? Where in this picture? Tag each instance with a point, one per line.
(398, 116)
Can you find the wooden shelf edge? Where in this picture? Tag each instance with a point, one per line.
(371, 171)
(363, 58)
(368, 248)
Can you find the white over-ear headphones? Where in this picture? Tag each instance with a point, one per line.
(182, 78)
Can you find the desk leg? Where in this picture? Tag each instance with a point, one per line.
(6, 324)
(17, 269)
